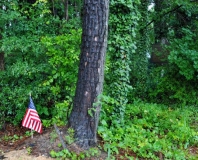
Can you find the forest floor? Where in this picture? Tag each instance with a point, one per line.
(16, 145)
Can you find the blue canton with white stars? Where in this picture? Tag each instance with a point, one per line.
(31, 104)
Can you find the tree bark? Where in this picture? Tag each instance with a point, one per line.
(66, 7)
(91, 72)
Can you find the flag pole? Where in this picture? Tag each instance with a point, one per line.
(31, 130)
(31, 133)
(31, 122)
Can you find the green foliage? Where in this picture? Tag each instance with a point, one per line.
(175, 83)
(66, 154)
(53, 136)
(63, 53)
(28, 133)
(26, 65)
(150, 130)
(169, 87)
(11, 138)
(29, 150)
(139, 59)
(42, 55)
(122, 23)
(16, 84)
(184, 54)
(28, 31)
(69, 138)
(59, 145)
(2, 117)
(59, 115)
(176, 21)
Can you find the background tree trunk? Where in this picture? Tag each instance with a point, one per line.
(91, 72)
(65, 2)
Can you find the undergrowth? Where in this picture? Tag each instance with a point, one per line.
(150, 131)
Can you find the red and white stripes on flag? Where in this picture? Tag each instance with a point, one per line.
(31, 118)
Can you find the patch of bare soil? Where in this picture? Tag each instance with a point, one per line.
(36, 148)
(14, 144)
(23, 155)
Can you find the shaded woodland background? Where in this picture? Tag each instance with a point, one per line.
(151, 67)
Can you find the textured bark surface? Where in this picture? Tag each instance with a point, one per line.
(91, 72)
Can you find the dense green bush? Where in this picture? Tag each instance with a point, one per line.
(184, 54)
(50, 82)
(175, 82)
(41, 57)
(26, 65)
(63, 54)
(171, 88)
(16, 83)
(150, 131)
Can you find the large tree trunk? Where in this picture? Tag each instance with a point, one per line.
(91, 72)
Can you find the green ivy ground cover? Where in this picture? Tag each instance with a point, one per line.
(150, 131)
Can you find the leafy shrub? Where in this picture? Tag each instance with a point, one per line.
(25, 60)
(50, 81)
(63, 53)
(150, 130)
(168, 87)
(184, 54)
(175, 83)
(16, 83)
(50, 77)
(59, 115)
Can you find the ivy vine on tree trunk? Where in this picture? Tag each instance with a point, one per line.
(123, 22)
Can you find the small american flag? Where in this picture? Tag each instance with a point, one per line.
(31, 118)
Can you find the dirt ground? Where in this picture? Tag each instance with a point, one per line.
(23, 155)
(24, 147)
(16, 144)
